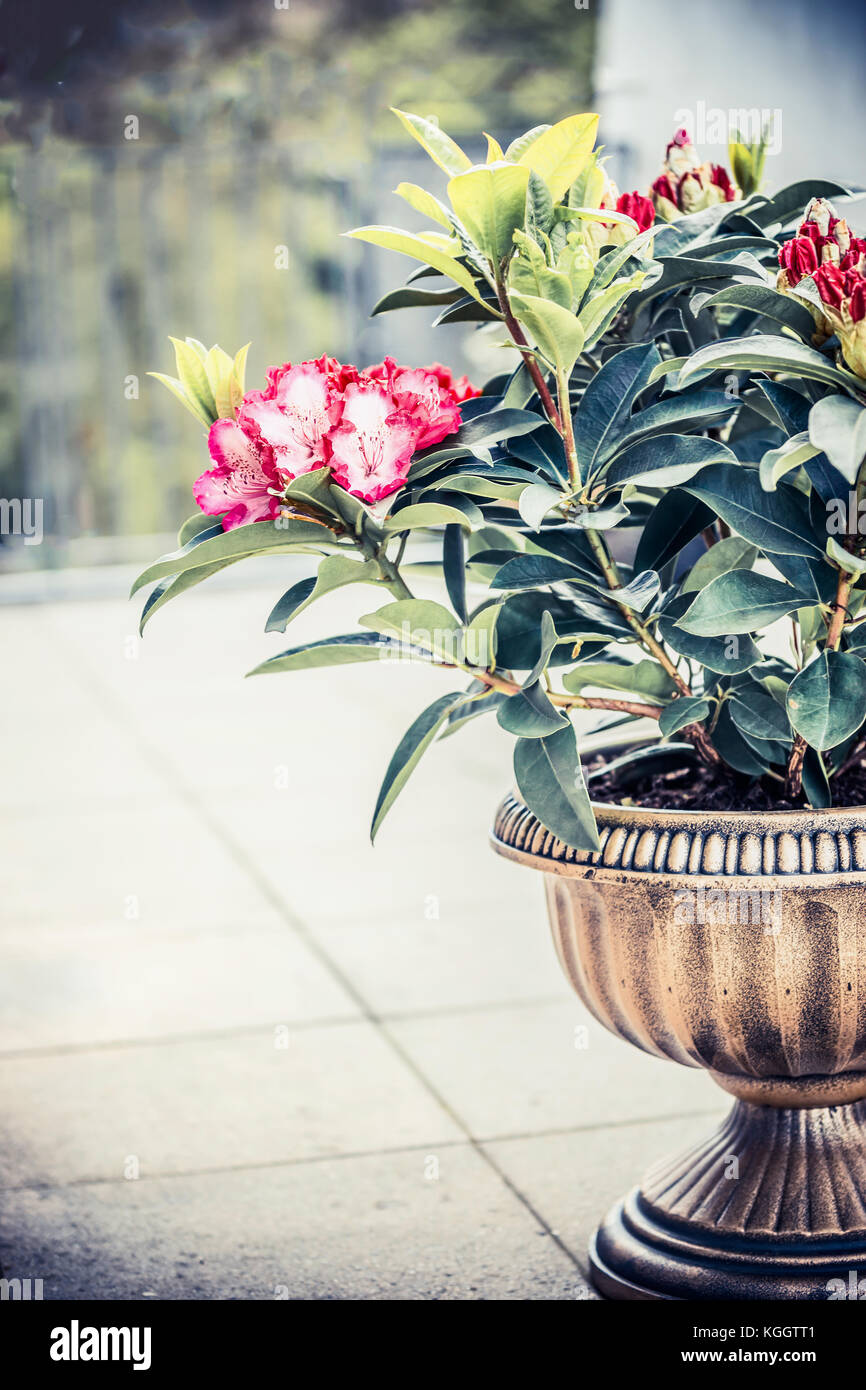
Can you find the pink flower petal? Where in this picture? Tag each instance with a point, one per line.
(373, 445)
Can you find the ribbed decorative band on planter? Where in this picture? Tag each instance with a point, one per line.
(733, 941)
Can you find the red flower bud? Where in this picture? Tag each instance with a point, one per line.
(798, 257)
(663, 188)
(638, 208)
(831, 284)
(722, 179)
(857, 302)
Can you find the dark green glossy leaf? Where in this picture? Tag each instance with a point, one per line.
(827, 699)
(776, 522)
(550, 779)
(409, 751)
(740, 601)
(688, 709)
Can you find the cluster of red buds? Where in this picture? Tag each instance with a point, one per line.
(825, 254)
(686, 185)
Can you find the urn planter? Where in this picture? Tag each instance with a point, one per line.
(736, 942)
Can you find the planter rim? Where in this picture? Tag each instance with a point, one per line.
(805, 844)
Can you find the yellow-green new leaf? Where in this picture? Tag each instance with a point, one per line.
(555, 331)
(494, 149)
(424, 202)
(238, 376)
(178, 389)
(219, 367)
(490, 201)
(529, 273)
(392, 239)
(560, 153)
(441, 148)
(193, 376)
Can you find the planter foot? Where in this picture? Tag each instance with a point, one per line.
(771, 1206)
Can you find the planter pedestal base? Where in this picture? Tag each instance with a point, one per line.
(771, 1206)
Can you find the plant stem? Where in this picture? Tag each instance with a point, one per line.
(519, 340)
(564, 701)
(695, 733)
(567, 428)
(794, 772)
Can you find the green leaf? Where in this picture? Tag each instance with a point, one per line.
(173, 586)
(421, 623)
(645, 678)
(177, 389)
(193, 377)
(815, 782)
(598, 310)
(775, 463)
(440, 147)
(551, 783)
(530, 571)
(740, 601)
(776, 522)
(757, 714)
(412, 746)
(479, 433)
(408, 244)
(454, 568)
(851, 564)
(423, 515)
(770, 303)
(730, 553)
(561, 151)
(638, 593)
(425, 203)
(687, 709)
(665, 460)
(736, 752)
(536, 501)
(523, 142)
(336, 651)
(335, 572)
(555, 330)
(674, 521)
(827, 699)
(490, 200)
(286, 607)
(196, 525)
(766, 353)
(607, 403)
(259, 538)
(701, 407)
(529, 273)
(530, 714)
(408, 297)
(726, 656)
(837, 426)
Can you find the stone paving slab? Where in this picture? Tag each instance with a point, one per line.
(211, 1103)
(377, 1227)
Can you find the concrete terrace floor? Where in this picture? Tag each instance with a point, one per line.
(242, 1054)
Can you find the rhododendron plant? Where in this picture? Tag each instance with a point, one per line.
(652, 511)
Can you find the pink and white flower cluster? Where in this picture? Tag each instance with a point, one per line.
(364, 426)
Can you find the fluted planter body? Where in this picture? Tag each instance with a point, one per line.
(735, 942)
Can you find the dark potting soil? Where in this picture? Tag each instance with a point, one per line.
(697, 788)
